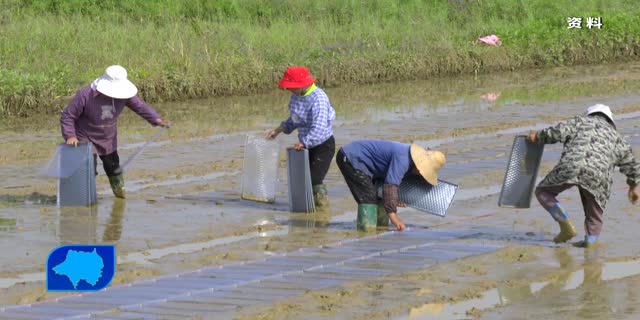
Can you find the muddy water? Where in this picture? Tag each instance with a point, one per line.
(183, 210)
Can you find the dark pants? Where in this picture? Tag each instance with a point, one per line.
(110, 163)
(320, 158)
(592, 212)
(360, 184)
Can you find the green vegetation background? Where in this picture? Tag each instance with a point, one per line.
(176, 50)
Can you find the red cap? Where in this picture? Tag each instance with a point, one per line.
(296, 77)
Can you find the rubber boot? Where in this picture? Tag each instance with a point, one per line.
(589, 241)
(117, 185)
(320, 197)
(367, 216)
(567, 231)
(383, 217)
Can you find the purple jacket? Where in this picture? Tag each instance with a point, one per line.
(93, 117)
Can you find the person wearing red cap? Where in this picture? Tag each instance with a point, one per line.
(312, 114)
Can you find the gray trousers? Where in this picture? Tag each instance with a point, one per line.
(592, 212)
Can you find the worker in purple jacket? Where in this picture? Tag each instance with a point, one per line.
(92, 116)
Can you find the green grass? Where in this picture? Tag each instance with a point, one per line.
(176, 50)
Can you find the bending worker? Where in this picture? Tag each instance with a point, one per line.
(362, 162)
(592, 148)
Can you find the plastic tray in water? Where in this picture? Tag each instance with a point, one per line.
(299, 178)
(260, 169)
(66, 160)
(78, 189)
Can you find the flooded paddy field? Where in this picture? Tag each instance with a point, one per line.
(183, 211)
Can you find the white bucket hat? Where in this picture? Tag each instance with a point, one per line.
(114, 83)
(602, 109)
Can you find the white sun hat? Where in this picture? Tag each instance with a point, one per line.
(602, 109)
(114, 83)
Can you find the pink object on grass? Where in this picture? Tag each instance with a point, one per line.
(490, 40)
(491, 96)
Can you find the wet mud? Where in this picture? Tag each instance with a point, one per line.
(184, 211)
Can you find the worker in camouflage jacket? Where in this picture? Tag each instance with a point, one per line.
(592, 148)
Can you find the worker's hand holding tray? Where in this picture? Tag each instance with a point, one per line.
(521, 174)
(260, 169)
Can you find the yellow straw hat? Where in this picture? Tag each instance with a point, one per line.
(428, 162)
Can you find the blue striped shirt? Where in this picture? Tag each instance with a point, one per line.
(312, 115)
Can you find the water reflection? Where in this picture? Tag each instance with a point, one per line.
(594, 299)
(79, 225)
(585, 293)
(305, 221)
(8, 224)
(358, 101)
(113, 229)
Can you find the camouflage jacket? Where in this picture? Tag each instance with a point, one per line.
(592, 148)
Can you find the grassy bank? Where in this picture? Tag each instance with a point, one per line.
(184, 49)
